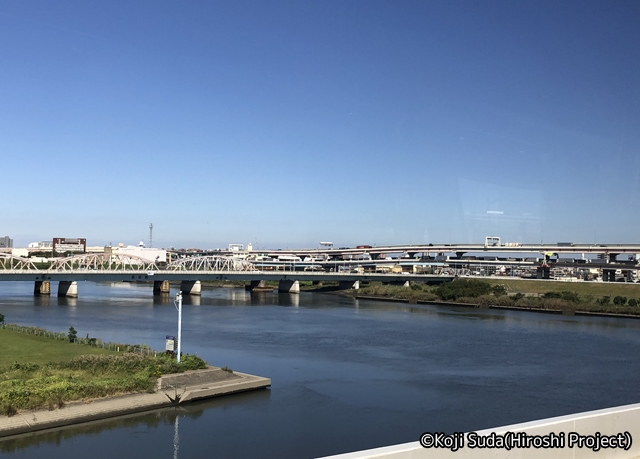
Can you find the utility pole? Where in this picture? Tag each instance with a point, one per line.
(150, 235)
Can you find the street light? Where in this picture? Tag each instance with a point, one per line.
(178, 304)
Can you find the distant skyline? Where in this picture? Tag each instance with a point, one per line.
(286, 123)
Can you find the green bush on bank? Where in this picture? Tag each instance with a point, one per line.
(482, 293)
(33, 386)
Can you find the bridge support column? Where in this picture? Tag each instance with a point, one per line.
(68, 289)
(161, 287)
(289, 286)
(258, 286)
(42, 288)
(345, 285)
(191, 287)
(608, 275)
(542, 272)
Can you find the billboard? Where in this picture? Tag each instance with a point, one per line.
(65, 244)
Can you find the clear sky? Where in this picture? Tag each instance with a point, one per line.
(286, 123)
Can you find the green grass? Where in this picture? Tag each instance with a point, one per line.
(20, 347)
(582, 288)
(40, 372)
(527, 294)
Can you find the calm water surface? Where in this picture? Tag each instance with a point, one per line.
(346, 374)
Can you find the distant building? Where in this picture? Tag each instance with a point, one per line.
(41, 245)
(6, 242)
(76, 244)
(149, 254)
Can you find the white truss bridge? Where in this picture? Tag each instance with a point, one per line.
(119, 262)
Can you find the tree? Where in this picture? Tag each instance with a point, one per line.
(620, 300)
(73, 334)
(633, 302)
(499, 290)
(1, 319)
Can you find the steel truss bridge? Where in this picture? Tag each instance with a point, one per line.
(118, 267)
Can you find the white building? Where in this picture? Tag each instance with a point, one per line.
(149, 254)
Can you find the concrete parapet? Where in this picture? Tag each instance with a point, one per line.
(68, 288)
(161, 286)
(289, 286)
(191, 287)
(589, 426)
(42, 288)
(345, 285)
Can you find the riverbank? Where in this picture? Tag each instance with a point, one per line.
(172, 390)
(537, 296)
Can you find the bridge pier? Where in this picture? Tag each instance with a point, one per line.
(398, 283)
(161, 287)
(288, 286)
(345, 285)
(608, 275)
(258, 286)
(42, 288)
(542, 272)
(68, 289)
(191, 287)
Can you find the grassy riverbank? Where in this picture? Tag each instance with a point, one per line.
(40, 372)
(612, 298)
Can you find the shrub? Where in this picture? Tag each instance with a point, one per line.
(473, 288)
(518, 296)
(1, 319)
(499, 290)
(633, 302)
(604, 300)
(73, 334)
(550, 295)
(570, 296)
(620, 300)
(8, 409)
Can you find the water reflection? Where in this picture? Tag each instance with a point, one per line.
(162, 299)
(67, 301)
(42, 300)
(191, 300)
(150, 419)
(289, 299)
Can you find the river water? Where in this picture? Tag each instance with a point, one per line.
(346, 374)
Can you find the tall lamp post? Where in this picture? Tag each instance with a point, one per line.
(178, 305)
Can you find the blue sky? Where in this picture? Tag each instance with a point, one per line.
(286, 123)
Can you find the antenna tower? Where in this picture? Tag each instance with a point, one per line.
(150, 234)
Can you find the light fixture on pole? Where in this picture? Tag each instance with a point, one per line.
(178, 305)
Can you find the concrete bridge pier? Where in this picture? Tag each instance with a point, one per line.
(191, 287)
(258, 286)
(542, 272)
(608, 275)
(345, 285)
(288, 286)
(68, 289)
(161, 287)
(42, 288)
(398, 283)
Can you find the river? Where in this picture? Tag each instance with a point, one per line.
(346, 374)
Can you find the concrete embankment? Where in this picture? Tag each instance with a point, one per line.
(171, 390)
